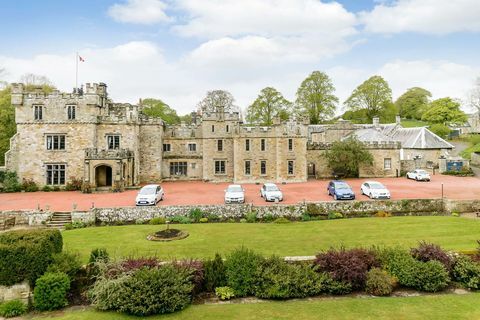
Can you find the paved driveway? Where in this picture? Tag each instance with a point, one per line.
(196, 192)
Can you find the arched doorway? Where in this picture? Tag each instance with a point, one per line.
(103, 176)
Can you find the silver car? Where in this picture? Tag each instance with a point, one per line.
(234, 194)
(419, 175)
(270, 192)
(375, 190)
(149, 195)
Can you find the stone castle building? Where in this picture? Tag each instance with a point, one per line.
(84, 135)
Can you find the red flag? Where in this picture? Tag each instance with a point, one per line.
(81, 59)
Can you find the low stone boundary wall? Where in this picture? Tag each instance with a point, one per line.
(233, 211)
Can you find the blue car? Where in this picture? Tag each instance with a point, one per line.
(340, 190)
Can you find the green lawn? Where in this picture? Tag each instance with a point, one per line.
(293, 239)
(438, 307)
(408, 123)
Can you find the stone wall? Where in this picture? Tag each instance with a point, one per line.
(19, 291)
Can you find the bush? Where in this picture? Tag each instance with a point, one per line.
(251, 217)
(131, 264)
(224, 293)
(12, 308)
(86, 187)
(349, 266)
(203, 220)
(29, 185)
(51, 291)
(467, 272)
(431, 276)
(75, 225)
(157, 220)
(383, 214)
(26, 254)
(240, 270)
(196, 270)
(46, 188)
(181, 220)
(281, 220)
(145, 292)
(276, 279)
(68, 263)
(99, 255)
(214, 273)
(195, 214)
(268, 217)
(314, 210)
(335, 215)
(10, 182)
(74, 184)
(335, 287)
(429, 251)
(306, 217)
(379, 282)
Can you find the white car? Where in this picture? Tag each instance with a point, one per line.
(149, 195)
(419, 175)
(374, 190)
(234, 194)
(270, 192)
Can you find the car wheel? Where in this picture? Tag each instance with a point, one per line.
(416, 178)
(370, 196)
(335, 197)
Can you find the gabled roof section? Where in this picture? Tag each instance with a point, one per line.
(419, 138)
(370, 135)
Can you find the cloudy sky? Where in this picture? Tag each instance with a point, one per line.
(176, 50)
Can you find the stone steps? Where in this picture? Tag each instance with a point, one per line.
(59, 220)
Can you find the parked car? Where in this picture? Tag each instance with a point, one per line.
(270, 192)
(234, 194)
(375, 190)
(340, 190)
(419, 175)
(149, 195)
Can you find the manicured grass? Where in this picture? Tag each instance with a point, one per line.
(438, 307)
(292, 239)
(406, 123)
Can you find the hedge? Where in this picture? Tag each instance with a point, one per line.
(26, 254)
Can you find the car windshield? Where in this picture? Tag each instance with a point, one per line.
(341, 186)
(271, 188)
(376, 186)
(147, 191)
(422, 171)
(234, 189)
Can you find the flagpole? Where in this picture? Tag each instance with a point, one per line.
(76, 71)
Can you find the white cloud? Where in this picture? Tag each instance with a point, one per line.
(140, 12)
(423, 16)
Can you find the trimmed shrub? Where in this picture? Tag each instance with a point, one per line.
(51, 291)
(214, 273)
(12, 308)
(429, 251)
(99, 254)
(379, 282)
(276, 279)
(29, 185)
(26, 254)
(203, 220)
(251, 217)
(157, 220)
(10, 182)
(181, 220)
(431, 276)
(68, 263)
(467, 272)
(47, 188)
(350, 266)
(224, 293)
(335, 287)
(335, 215)
(240, 271)
(145, 292)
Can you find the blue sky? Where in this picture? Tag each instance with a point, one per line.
(176, 50)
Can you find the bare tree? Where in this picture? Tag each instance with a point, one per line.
(31, 79)
(217, 99)
(474, 97)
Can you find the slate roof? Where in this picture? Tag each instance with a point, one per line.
(371, 135)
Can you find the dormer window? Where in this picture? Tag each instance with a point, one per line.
(71, 112)
(38, 112)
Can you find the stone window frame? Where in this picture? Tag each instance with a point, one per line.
(213, 128)
(247, 144)
(38, 112)
(221, 163)
(227, 128)
(292, 172)
(61, 172)
(193, 165)
(263, 144)
(190, 144)
(61, 141)
(249, 167)
(180, 166)
(263, 167)
(164, 147)
(387, 163)
(115, 137)
(290, 144)
(220, 145)
(71, 111)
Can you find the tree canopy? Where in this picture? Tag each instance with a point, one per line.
(216, 99)
(345, 157)
(315, 97)
(158, 109)
(7, 122)
(269, 104)
(413, 103)
(374, 95)
(445, 111)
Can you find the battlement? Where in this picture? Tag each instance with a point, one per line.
(368, 145)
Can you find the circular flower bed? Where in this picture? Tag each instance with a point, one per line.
(168, 235)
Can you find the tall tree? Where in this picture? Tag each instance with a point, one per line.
(345, 157)
(315, 97)
(474, 98)
(413, 103)
(217, 99)
(373, 95)
(269, 104)
(445, 111)
(7, 122)
(32, 81)
(158, 109)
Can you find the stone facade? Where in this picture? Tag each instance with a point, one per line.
(84, 135)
